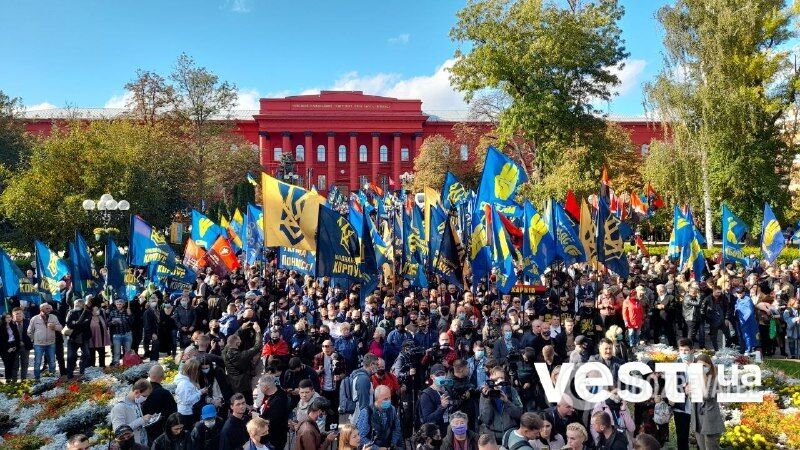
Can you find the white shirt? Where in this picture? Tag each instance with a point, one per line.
(327, 371)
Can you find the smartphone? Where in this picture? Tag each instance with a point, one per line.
(333, 426)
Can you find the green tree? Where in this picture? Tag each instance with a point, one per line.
(142, 164)
(551, 62)
(724, 92)
(14, 142)
(436, 157)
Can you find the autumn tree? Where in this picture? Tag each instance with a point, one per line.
(436, 157)
(151, 96)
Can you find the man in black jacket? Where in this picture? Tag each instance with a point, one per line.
(434, 401)
(206, 432)
(234, 433)
(150, 321)
(159, 401)
(79, 334)
(273, 405)
(609, 437)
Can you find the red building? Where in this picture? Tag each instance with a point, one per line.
(341, 137)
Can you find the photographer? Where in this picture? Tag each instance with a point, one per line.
(444, 354)
(434, 403)
(500, 406)
(506, 345)
(463, 394)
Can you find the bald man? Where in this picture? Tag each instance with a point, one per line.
(159, 401)
(379, 424)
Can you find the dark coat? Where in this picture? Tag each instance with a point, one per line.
(234, 433)
(78, 322)
(447, 442)
(5, 345)
(204, 438)
(159, 401)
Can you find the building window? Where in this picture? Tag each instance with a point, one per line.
(404, 154)
(363, 180)
(645, 149)
(277, 153)
(384, 183)
(300, 153)
(384, 153)
(464, 152)
(362, 153)
(321, 153)
(342, 153)
(322, 183)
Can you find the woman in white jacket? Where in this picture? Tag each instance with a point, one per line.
(188, 392)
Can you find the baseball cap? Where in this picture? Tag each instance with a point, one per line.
(580, 340)
(208, 412)
(122, 430)
(438, 369)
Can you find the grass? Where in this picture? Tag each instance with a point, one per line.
(790, 367)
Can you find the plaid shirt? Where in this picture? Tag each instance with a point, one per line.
(124, 325)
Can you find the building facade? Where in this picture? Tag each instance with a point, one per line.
(343, 138)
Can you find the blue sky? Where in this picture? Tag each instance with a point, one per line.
(57, 53)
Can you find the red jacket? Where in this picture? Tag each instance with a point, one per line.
(633, 313)
(280, 348)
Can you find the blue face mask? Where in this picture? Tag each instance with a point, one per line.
(507, 335)
(460, 430)
(479, 354)
(386, 404)
(440, 380)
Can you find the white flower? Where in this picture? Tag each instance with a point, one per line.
(783, 438)
(59, 442)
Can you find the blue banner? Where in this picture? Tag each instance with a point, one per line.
(338, 249)
(254, 235)
(147, 245)
(13, 282)
(733, 230)
(119, 276)
(301, 261)
(772, 238)
(51, 269)
(204, 231)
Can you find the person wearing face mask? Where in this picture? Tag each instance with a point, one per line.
(434, 403)
(310, 435)
(239, 362)
(295, 373)
(159, 401)
(621, 418)
(382, 377)
(395, 339)
(184, 314)
(128, 411)
(475, 365)
(500, 407)
(746, 322)
(682, 411)
(427, 437)
(205, 434)
(276, 347)
(505, 345)
(273, 405)
(123, 440)
(78, 337)
(379, 423)
(706, 416)
(458, 436)
(150, 320)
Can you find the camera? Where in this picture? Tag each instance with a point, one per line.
(495, 388)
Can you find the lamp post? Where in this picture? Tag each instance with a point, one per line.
(105, 208)
(406, 178)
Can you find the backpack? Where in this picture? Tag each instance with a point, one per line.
(662, 413)
(348, 395)
(521, 444)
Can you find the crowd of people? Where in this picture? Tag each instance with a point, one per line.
(271, 359)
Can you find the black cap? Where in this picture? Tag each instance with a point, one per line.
(121, 430)
(738, 289)
(438, 369)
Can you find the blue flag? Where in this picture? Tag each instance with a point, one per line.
(499, 183)
(691, 253)
(301, 261)
(538, 244)
(439, 220)
(338, 249)
(148, 245)
(733, 230)
(453, 192)
(254, 235)
(568, 246)
(13, 282)
(503, 255)
(51, 269)
(119, 276)
(370, 269)
(611, 250)
(448, 262)
(171, 280)
(772, 239)
(355, 212)
(204, 231)
(84, 276)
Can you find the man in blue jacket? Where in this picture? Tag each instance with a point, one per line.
(434, 403)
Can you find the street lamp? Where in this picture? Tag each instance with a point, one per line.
(406, 178)
(106, 207)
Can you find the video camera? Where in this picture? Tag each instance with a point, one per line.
(495, 388)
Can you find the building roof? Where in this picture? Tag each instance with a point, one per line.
(435, 115)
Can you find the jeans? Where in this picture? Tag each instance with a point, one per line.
(794, 347)
(49, 352)
(633, 337)
(117, 341)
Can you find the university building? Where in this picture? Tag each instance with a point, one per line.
(344, 138)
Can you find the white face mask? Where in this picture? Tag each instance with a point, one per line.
(209, 423)
(140, 399)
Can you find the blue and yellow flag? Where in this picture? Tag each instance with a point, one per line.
(290, 214)
(180, 278)
(447, 262)
(51, 269)
(254, 235)
(370, 269)
(772, 238)
(204, 231)
(499, 183)
(568, 246)
(148, 245)
(355, 214)
(120, 276)
(13, 282)
(81, 267)
(733, 231)
(611, 250)
(678, 220)
(538, 246)
(231, 234)
(301, 261)
(503, 255)
(453, 192)
(338, 249)
(251, 179)
(438, 222)
(691, 253)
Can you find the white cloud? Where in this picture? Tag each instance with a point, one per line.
(40, 106)
(247, 99)
(402, 38)
(238, 6)
(119, 101)
(628, 75)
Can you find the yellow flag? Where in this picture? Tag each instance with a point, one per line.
(587, 234)
(237, 217)
(290, 215)
(223, 222)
